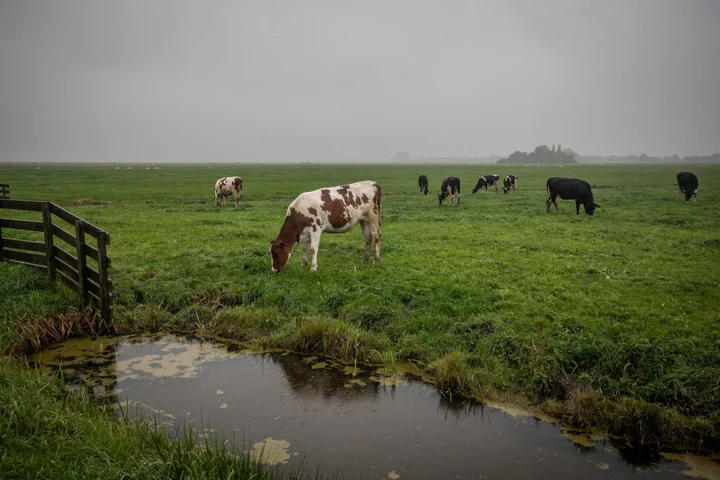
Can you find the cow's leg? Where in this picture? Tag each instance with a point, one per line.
(235, 197)
(368, 234)
(458, 200)
(314, 245)
(553, 199)
(240, 193)
(548, 202)
(496, 187)
(577, 207)
(305, 241)
(375, 228)
(217, 199)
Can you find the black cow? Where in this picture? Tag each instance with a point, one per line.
(510, 182)
(688, 185)
(450, 187)
(487, 180)
(570, 189)
(423, 184)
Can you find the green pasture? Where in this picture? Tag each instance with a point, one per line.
(610, 321)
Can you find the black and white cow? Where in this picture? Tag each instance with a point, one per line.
(423, 184)
(510, 182)
(450, 187)
(227, 186)
(688, 185)
(570, 189)
(332, 210)
(487, 181)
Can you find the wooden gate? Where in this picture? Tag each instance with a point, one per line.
(91, 281)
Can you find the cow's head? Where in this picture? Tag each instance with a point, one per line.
(689, 193)
(590, 207)
(442, 196)
(279, 254)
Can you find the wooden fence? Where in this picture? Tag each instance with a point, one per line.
(4, 190)
(93, 284)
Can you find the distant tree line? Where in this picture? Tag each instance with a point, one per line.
(543, 155)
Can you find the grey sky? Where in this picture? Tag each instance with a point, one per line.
(233, 80)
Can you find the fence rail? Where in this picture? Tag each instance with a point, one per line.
(4, 190)
(93, 284)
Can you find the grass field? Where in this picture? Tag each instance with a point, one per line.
(609, 322)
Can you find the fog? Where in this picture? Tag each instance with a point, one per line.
(282, 81)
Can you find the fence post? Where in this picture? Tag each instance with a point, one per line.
(50, 251)
(2, 257)
(81, 261)
(103, 241)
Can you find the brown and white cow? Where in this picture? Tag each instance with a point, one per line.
(332, 210)
(227, 186)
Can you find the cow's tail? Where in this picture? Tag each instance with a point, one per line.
(378, 201)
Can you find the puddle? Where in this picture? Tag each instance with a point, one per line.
(356, 421)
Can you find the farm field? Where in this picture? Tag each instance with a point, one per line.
(610, 322)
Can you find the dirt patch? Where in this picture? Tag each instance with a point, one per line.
(88, 201)
(207, 299)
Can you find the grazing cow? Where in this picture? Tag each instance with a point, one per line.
(487, 180)
(227, 186)
(332, 210)
(423, 184)
(570, 189)
(450, 187)
(688, 185)
(510, 182)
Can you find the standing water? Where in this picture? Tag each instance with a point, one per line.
(353, 421)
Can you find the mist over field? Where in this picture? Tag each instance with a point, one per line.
(227, 81)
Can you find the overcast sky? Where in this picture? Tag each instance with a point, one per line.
(265, 80)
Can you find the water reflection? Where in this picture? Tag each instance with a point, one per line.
(359, 422)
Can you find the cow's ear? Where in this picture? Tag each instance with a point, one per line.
(597, 206)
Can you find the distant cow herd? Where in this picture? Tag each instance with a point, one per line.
(339, 209)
